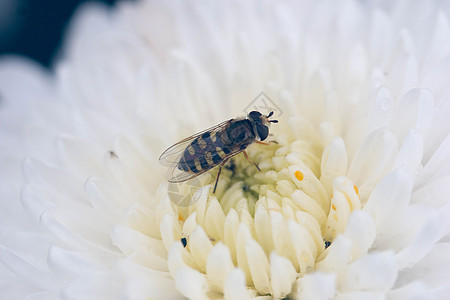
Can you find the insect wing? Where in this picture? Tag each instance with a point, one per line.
(175, 175)
(171, 157)
(174, 153)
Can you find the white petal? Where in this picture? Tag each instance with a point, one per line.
(336, 256)
(313, 227)
(200, 205)
(219, 265)
(334, 162)
(128, 240)
(373, 160)
(433, 193)
(70, 264)
(316, 285)
(144, 219)
(304, 245)
(439, 46)
(74, 241)
(415, 108)
(235, 288)
(141, 282)
(259, 266)
(230, 233)
(337, 219)
(243, 235)
(375, 272)
(34, 276)
(346, 186)
(390, 195)
(179, 258)
(441, 292)
(309, 205)
(432, 270)
(282, 275)
(121, 173)
(190, 224)
(414, 290)
(83, 163)
(281, 238)
(191, 283)
(200, 246)
(360, 295)
(433, 230)
(437, 165)
(214, 220)
(61, 182)
(93, 285)
(134, 160)
(309, 184)
(361, 231)
(53, 295)
(410, 155)
(32, 247)
(262, 227)
(105, 197)
(383, 106)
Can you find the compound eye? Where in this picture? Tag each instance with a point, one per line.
(254, 115)
(263, 131)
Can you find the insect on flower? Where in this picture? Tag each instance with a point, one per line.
(213, 147)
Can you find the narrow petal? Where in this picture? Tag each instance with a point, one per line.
(361, 231)
(318, 285)
(27, 271)
(375, 272)
(391, 194)
(334, 162)
(200, 246)
(431, 232)
(219, 265)
(235, 287)
(259, 266)
(191, 283)
(282, 275)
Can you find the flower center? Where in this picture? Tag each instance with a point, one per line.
(293, 208)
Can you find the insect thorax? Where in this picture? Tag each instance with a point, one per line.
(240, 132)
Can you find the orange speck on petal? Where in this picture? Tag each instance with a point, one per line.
(356, 188)
(298, 175)
(333, 206)
(180, 218)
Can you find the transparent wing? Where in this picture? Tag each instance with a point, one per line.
(176, 175)
(173, 154)
(171, 157)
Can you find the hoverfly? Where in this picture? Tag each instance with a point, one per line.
(213, 147)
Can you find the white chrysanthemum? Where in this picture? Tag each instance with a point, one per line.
(351, 203)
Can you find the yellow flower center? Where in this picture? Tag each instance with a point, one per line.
(295, 206)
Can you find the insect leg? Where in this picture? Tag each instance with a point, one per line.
(264, 143)
(218, 174)
(248, 158)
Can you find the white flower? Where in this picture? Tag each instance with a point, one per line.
(362, 162)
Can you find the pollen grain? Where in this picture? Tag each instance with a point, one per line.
(298, 175)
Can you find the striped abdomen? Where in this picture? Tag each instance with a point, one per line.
(211, 148)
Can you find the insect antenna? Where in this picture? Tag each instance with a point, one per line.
(269, 115)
